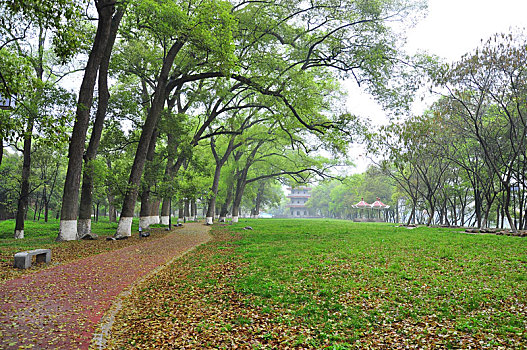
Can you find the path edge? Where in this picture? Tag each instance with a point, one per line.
(102, 331)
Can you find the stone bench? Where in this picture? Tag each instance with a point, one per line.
(23, 259)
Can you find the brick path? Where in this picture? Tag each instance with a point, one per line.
(60, 307)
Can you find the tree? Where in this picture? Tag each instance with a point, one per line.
(487, 88)
(85, 207)
(41, 104)
(70, 200)
(193, 26)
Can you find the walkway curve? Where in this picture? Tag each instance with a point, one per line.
(60, 307)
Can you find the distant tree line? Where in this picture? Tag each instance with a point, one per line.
(464, 161)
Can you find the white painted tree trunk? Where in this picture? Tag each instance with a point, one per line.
(209, 220)
(144, 222)
(124, 228)
(165, 219)
(19, 234)
(154, 220)
(235, 219)
(187, 218)
(83, 227)
(222, 219)
(67, 230)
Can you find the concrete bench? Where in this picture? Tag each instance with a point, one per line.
(23, 259)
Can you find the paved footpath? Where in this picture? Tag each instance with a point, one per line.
(60, 307)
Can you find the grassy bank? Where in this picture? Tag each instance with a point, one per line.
(335, 284)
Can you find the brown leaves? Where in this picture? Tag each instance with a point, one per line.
(59, 307)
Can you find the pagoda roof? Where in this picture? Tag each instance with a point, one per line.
(379, 205)
(362, 204)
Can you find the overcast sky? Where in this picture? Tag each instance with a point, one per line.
(451, 29)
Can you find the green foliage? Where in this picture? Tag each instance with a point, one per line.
(206, 26)
(10, 186)
(61, 17)
(72, 39)
(334, 198)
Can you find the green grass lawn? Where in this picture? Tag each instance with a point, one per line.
(337, 284)
(339, 276)
(40, 232)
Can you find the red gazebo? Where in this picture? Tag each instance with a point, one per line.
(361, 205)
(378, 205)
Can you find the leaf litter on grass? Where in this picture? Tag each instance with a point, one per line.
(305, 286)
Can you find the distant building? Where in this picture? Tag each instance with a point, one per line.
(298, 198)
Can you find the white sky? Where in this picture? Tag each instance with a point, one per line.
(451, 29)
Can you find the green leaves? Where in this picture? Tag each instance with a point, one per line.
(206, 26)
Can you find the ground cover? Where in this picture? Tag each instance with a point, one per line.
(334, 284)
(42, 235)
(60, 307)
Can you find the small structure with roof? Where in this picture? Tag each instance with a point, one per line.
(378, 205)
(366, 211)
(361, 206)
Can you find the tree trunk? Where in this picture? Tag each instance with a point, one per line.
(186, 211)
(24, 184)
(42, 203)
(411, 219)
(112, 213)
(154, 211)
(430, 216)
(125, 221)
(35, 210)
(397, 211)
(228, 200)
(498, 210)
(258, 200)
(240, 188)
(506, 206)
(165, 211)
(181, 212)
(46, 209)
(214, 193)
(28, 135)
(193, 210)
(145, 215)
(70, 197)
(165, 206)
(85, 213)
(478, 208)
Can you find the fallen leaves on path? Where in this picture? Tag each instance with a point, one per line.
(59, 307)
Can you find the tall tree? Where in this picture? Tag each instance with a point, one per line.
(70, 198)
(191, 25)
(85, 208)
